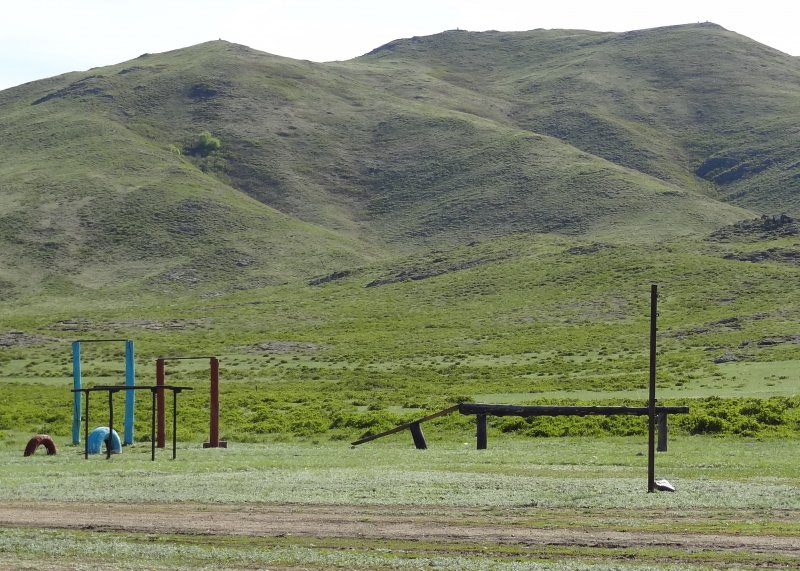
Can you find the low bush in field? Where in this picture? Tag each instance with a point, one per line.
(745, 417)
(247, 414)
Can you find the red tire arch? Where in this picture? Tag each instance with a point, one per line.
(40, 440)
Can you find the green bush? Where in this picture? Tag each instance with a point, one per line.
(204, 145)
(702, 423)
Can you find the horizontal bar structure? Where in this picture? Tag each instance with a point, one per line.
(154, 390)
(117, 388)
(99, 340)
(563, 410)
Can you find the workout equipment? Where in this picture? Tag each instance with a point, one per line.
(40, 440)
(657, 415)
(111, 389)
(130, 381)
(98, 437)
(213, 436)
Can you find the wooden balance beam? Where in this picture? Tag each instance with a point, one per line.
(482, 411)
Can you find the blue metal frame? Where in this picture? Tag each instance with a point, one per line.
(130, 396)
(76, 384)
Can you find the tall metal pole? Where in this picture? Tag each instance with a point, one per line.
(651, 446)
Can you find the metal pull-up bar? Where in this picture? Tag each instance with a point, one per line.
(111, 389)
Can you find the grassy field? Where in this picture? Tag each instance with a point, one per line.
(308, 369)
(593, 473)
(341, 359)
(726, 488)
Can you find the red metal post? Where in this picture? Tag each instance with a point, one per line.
(213, 439)
(162, 429)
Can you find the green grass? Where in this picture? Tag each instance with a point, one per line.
(33, 549)
(158, 552)
(575, 483)
(573, 473)
(542, 320)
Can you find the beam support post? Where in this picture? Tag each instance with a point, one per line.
(482, 437)
(662, 432)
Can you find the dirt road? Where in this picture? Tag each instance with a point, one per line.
(377, 522)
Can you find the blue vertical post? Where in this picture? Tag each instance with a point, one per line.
(76, 384)
(129, 395)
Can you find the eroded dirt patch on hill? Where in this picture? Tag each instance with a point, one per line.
(22, 339)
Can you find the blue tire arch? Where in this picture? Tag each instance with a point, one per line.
(99, 436)
(130, 381)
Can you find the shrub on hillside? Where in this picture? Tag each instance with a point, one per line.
(203, 145)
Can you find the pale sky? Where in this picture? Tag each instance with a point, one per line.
(43, 38)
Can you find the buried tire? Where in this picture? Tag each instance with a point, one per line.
(99, 438)
(40, 440)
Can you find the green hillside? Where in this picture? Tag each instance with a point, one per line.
(677, 103)
(423, 143)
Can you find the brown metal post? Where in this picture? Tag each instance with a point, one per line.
(651, 446)
(174, 423)
(213, 438)
(153, 425)
(161, 423)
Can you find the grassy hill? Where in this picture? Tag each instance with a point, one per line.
(424, 142)
(677, 103)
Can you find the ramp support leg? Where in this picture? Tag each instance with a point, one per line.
(418, 436)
